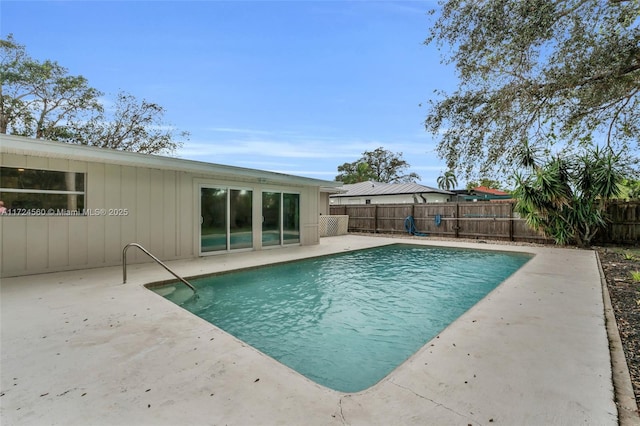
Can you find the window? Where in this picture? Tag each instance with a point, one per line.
(44, 191)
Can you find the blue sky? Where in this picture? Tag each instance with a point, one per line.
(297, 87)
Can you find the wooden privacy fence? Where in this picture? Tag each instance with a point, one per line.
(624, 225)
(495, 221)
(480, 220)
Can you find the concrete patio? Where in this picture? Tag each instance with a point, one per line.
(81, 348)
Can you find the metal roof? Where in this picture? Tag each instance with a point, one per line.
(19, 145)
(371, 188)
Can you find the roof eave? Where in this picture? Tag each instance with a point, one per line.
(10, 144)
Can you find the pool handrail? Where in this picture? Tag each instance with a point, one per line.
(124, 264)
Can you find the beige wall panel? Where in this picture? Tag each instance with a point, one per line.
(156, 213)
(170, 215)
(14, 245)
(78, 166)
(114, 219)
(187, 215)
(79, 241)
(58, 164)
(59, 241)
(11, 160)
(257, 217)
(128, 201)
(95, 242)
(143, 201)
(316, 208)
(37, 163)
(306, 221)
(312, 203)
(95, 199)
(323, 205)
(37, 242)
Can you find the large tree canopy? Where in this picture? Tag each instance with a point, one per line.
(130, 125)
(542, 72)
(380, 165)
(41, 100)
(37, 98)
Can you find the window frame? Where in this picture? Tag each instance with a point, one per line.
(45, 209)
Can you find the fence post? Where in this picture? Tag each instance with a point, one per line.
(511, 222)
(457, 221)
(375, 219)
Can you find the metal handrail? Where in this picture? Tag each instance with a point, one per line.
(124, 264)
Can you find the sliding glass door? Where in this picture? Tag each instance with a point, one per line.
(240, 213)
(291, 218)
(271, 229)
(225, 219)
(213, 219)
(280, 218)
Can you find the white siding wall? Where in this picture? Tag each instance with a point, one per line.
(162, 216)
(390, 199)
(323, 206)
(309, 216)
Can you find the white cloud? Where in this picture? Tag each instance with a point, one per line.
(238, 130)
(296, 148)
(253, 148)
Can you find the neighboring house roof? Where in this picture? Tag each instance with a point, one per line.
(482, 190)
(483, 193)
(491, 191)
(371, 188)
(43, 148)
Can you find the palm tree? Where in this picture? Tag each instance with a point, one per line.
(447, 181)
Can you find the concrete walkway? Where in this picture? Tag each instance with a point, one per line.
(81, 348)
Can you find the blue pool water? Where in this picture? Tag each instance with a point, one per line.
(347, 320)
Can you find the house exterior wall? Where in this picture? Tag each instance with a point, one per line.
(323, 206)
(161, 214)
(390, 199)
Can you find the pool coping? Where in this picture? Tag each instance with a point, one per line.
(56, 328)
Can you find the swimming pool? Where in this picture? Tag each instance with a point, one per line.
(347, 320)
